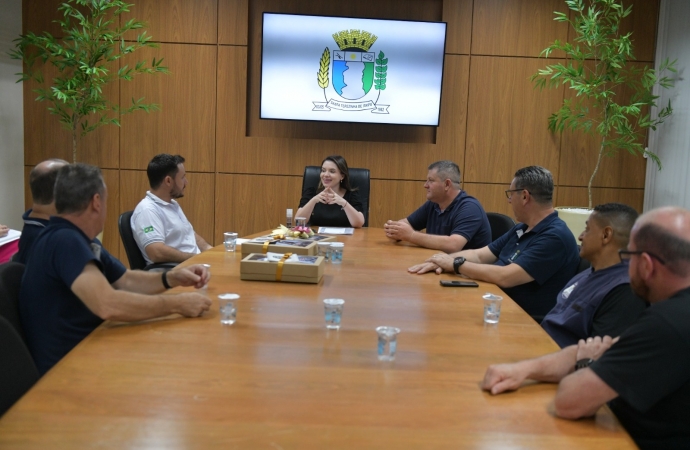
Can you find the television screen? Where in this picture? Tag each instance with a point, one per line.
(343, 69)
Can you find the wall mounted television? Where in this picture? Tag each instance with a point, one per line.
(341, 69)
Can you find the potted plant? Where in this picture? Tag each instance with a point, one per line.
(93, 40)
(598, 65)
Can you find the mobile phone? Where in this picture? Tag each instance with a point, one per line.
(456, 283)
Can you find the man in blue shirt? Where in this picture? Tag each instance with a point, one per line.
(533, 261)
(598, 301)
(453, 220)
(71, 284)
(41, 181)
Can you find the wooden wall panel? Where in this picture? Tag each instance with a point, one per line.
(231, 116)
(394, 200)
(197, 202)
(249, 204)
(452, 129)
(491, 196)
(458, 15)
(111, 235)
(45, 137)
(507, 120)
(510, 28)
(185, 125)
(39, 15)
(177, 20)
(569, 196)
(232, 22)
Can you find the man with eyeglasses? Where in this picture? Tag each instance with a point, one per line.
(644, 374)
(598, 301)
(533, 261)
(453, 220)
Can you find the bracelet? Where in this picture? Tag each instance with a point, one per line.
(164, 277)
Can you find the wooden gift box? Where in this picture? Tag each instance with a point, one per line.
(256, 267)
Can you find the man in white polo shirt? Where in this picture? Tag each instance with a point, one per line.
(160, 228)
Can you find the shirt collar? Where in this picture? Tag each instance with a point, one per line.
(545, 222)
(158, 200)
(452, 204)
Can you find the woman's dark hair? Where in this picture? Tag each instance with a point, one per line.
(340, 162)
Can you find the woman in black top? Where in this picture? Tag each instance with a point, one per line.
(334, 203)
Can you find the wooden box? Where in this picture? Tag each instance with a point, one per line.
(256, 266)
(297, 246)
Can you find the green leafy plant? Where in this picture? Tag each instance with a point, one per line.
(93, 40)
(598, 68)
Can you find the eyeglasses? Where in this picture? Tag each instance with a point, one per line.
(508, 191)
(625, 255)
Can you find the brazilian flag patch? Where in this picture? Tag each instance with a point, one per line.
(148, 229)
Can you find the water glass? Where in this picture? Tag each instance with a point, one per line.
(324, 250)
(337, 252)
(492, 307)
(230, 240)
(208, 267)
(228, 308)
(388, 342)
(300, 221)
(333, 312)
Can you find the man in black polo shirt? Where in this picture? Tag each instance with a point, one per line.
(534, 260)
(42, 183)
(644, 374)
(71, 283)
(453, 220)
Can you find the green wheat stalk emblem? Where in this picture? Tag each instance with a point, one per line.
(380, 74)
(322, 74)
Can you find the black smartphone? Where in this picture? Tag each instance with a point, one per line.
(457, 283)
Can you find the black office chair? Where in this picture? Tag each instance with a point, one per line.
(134, 256)
(10, 281)
(500, 224)
(17, 369)
(359, 178)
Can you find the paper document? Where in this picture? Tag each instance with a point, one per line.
(12, 235)
(332, 230)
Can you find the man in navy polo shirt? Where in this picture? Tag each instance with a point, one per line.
(598, 301)
(71, 283)
(42, 182)
(453, 220)
(533, 261)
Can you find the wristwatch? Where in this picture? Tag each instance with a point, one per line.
(457, 262)
(582, 363)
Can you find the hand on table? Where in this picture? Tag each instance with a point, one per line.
(398, 230)
(594, 347)
(424, 268)
(503, 377)
(196, 275)
(191, 304)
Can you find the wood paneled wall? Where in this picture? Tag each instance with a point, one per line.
(244, 172)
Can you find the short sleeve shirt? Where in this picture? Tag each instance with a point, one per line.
(649, 368)
(548, 253)
(53, 317)
(155, 220)
(32, 228)
(330, 215)
(464, 216)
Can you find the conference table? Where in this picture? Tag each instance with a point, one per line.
(278, 379)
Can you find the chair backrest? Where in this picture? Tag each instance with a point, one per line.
(17, 369)
(134, 256)
(10, 281)
(500, 224)
(359, 178)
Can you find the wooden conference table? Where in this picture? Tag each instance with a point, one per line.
(277, 379)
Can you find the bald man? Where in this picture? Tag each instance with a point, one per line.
(644, 374)
(42, 182)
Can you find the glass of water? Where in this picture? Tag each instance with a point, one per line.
(492, 307)
(230, 240)
(388, 342)
(333, 312)
(228, 308)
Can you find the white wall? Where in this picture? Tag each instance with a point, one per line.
(11, 119)
(671, 141)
